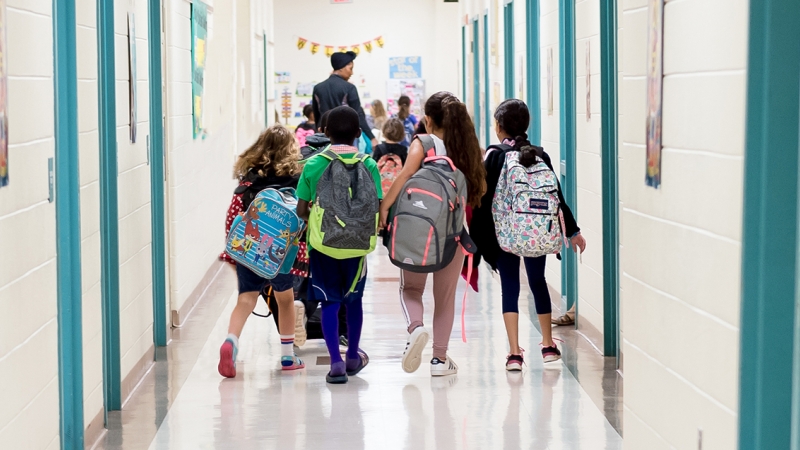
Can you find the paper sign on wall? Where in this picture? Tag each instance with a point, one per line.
(199, 32)
(405, 67)
(655, 80)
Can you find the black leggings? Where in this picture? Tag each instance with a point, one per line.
(508, 266)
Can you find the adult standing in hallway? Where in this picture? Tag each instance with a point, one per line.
(338, 91)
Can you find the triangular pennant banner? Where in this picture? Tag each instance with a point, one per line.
(328, 50)
(343, 48)
(301, 43)
(379, 41)
(368, 46)
(356, 49)
(314, 48)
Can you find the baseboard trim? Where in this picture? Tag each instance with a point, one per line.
(180, 316)
(95, 430)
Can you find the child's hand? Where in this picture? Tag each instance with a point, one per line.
(384, 215)
(578, 242)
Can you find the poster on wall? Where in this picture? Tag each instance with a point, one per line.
(132, 75)
(305, 89)
(414, 89)
(588, 81)
(3, 96)
(521, 78)
(199, 33)
(283, 77)
(655, 80)
(550, 81)
(405, 67)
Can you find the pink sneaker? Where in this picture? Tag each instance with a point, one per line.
(227, 359)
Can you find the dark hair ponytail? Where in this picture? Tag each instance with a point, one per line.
(513, 117)
(449, 114)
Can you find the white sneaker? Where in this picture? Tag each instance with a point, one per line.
(441, 368)
(412, 355)
(299, 323)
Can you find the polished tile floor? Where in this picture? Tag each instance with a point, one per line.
(483, 407)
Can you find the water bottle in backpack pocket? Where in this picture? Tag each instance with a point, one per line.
(426, 224)
(265, 238)
(526, 210)
(344, 214)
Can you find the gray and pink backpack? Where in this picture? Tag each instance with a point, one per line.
(426, 226)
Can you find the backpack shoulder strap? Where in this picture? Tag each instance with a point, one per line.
(428, 144)
(502, 147)
(362, 157)
(328, 154)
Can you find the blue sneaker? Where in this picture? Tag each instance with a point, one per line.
(291, 363)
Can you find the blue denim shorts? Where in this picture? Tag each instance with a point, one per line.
(250, 282)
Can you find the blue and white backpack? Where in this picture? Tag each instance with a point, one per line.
(265, 238)
(527, 213)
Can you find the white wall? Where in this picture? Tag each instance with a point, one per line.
(410, 28)
(681, 243)
(199, 171)
(28, 328)
(589, 168)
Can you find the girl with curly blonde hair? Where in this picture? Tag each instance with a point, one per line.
(271, 162)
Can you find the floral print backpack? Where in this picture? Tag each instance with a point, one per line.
(526, 210)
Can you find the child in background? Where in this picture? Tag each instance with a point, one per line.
(393, 134)
(270, 162)
(317, 141)
(306, 128)
(409, 120)
(377, 115)
(336, 281)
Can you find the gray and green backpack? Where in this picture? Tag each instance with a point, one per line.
(344, 214)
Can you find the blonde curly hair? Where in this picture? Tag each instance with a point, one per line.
(276, 149)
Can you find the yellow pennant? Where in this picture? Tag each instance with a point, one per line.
(368, 46)
(343, 49)
(356, 49)
(314, 48)
(328, 50)
(379, 41)
(301, 43)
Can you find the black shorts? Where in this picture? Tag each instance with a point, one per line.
(250, 282)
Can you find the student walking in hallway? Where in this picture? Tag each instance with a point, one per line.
(453, 136)
(271, 162)
(512, 118)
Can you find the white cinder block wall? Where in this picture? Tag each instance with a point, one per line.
(410, 28)
(199, 171)
(28, 326)
(682, 243)
(89, 147)
(587, 131)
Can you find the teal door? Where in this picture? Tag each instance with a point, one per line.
(487, 126)
(476, 77)
(508, 46)
(769, 394)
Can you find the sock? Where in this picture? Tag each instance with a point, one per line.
(330, 330)
(355, 319)
(338, 368)
(233, 338)
(287, 344)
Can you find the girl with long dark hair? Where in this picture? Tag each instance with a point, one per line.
(453, 133)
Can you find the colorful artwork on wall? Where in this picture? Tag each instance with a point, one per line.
(199, 34)
(3, 98)
(132, 75)
(283, 77)
(329, 49)
(655, 80)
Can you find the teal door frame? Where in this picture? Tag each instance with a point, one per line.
(487, 107)
(109, 210)
(533, 81)
(609, 158)
(157, 177)
(476, 73)
(464, 63)
(769, 377)
(68, 227)
(508, 47)
(566, 56)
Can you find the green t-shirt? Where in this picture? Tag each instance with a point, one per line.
(315, 167)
